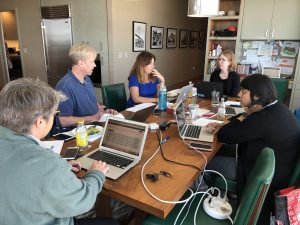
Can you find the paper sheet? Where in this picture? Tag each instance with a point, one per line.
(54, 146)
(105, 115)
(203, 122)
(140, 107)
(232, 103)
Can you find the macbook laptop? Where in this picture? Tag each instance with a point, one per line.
(204, 89)
(183, 94)
(121, 146)
(232, 111)
(190, 131)
(142, 114)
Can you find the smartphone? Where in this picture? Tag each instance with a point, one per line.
(205, 147)
(61, 136)
(71, 153)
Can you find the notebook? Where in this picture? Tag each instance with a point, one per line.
(204, 88)
(190, 131)
(121, 146)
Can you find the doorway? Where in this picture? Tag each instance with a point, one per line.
(11, 45)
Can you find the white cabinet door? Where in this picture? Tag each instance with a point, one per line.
(286, 19)
(257, 17)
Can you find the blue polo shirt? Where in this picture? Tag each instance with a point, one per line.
(148, 90)
(81, 100)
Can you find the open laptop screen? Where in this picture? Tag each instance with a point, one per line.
(123, 136)
(180, 116)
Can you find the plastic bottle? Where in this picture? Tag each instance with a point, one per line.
(81, 135)
(222, 109)
(191, 92)
(162, 98)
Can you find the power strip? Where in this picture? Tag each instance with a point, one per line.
(217, 207)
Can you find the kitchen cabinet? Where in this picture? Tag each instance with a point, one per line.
(271, 19)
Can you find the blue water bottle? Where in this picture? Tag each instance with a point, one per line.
(162, 98)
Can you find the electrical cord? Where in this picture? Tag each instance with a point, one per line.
(154, 196)
(158, 133)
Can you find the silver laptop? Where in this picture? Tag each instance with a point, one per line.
(232, 111)
(184, 93)
(190, 131)
(121, 146)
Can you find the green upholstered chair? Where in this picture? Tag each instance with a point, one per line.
(295, 178)
(246, 212)
(281, 86)
(114, 96)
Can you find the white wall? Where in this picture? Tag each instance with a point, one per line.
(174, 63)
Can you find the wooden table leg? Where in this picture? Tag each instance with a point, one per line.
(139, 217)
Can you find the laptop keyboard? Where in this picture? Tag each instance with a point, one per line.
(111, 159)
(230, 111)
(193, 131)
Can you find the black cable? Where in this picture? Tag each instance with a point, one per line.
(168, 160)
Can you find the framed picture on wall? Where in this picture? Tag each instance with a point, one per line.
(183, 38)
(171, 41)
(193, 39)
(157, 37)
(138, 36)
(201, 41)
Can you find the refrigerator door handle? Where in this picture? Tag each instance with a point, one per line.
(44, 46)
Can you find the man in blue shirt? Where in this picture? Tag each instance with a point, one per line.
(81, 103)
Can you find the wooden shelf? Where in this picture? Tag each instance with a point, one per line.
(224, 17)
(222, 38)
(212, 57)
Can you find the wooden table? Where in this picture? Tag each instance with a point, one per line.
(129, 188)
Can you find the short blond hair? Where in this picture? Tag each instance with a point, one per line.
(81, 52)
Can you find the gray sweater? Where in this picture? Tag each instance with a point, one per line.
(38, 187)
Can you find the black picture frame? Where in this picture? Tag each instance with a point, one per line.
(138, 36)
(201, 39)
(171, 38)
(156, 37)
(183, 38)
(193, 39)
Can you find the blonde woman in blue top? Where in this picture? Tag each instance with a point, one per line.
(144, 80)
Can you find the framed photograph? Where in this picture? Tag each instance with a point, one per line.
(193, 39)
(183, 38)
(138, 36)
(157, 37)
(201, 41)
(171, 41)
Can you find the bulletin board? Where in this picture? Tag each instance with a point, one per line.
(259, 54)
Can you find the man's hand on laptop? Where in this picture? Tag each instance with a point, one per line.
(76, 167)
(100, 166)
(111, 111)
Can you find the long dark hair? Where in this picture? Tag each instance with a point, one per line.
(261, 89)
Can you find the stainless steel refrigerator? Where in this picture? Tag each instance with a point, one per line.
(57, 40)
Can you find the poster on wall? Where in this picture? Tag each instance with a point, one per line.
(138, 36)
(171, 38)
(157, 37)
